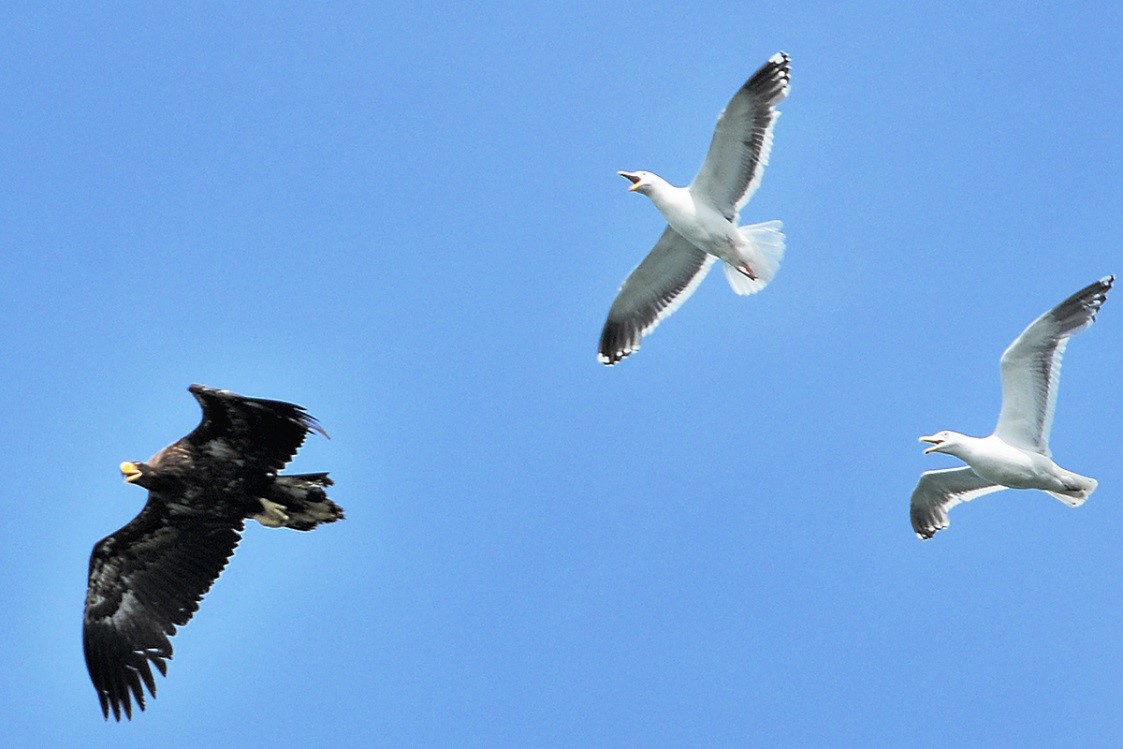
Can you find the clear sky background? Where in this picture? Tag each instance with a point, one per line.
(406, 217)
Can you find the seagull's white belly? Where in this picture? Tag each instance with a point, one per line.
(700, 224)
(1015, 468)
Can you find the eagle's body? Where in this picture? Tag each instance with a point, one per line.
(148, 577)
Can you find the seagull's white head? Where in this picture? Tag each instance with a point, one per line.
(642, 182)
(943, 442)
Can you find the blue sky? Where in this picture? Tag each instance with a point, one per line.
(406, 217)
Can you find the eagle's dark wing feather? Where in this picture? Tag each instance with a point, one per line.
(145, 580)
(254, 432)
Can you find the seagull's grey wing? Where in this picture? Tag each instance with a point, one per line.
(656, 288)
(1031, 368)
(742, 139)
(939, 491)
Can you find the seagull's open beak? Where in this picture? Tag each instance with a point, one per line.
(131, 471)
(631, 177)
(935, 442)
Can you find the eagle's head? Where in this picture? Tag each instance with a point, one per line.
(137, 472)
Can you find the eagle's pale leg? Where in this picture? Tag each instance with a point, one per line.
(273, 515)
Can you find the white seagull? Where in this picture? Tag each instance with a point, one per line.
(702, 218)
(1016, 455)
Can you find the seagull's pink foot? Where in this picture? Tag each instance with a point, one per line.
(742, 267)
(747, 270)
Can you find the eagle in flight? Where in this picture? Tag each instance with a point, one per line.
(148, 578)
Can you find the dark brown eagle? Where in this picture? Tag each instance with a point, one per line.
(148, 578)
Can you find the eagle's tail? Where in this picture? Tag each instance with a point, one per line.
(300, 502)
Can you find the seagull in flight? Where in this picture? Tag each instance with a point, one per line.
(1016, 455)
(702, 218)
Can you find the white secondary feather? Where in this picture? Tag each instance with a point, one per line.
(1017, 454)
(702, 218)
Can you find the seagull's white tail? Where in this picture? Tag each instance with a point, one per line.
(1082, 488)
(765, 248)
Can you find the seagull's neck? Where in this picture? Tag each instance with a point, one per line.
(965, 447)
(670, 200)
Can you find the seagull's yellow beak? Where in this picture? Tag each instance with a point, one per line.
(131, 471)
(632, 177)
(934, 441)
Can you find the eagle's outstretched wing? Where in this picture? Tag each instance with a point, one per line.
(255, 433)
(145, 580)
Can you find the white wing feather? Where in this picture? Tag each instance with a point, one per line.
(939, 491)
(742, 140)
(1031, 368)
(656, 288)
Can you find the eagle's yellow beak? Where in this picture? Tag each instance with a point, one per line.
(131, 471)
